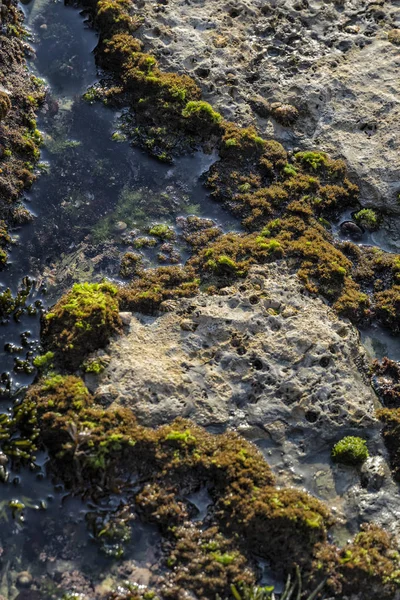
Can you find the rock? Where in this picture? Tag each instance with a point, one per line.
(120, 226)
(105, 394)
(394, 36)
(351, 229)
(336, 62)
(240, 364)
(24, 579)
(188, 325)
(260, 106)
(126, 318)
(21, 215)
(285, 114)
(325, 484)
(374, 472)
(275, 364)
(386, 382)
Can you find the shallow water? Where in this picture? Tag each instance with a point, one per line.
(89, 180)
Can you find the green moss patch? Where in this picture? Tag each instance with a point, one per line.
(369, 566)
(350, 451)
(146, 293)
(82, 321)
(367, 218)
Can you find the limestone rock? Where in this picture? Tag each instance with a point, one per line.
(336, 62)
(266, 359)
(263, 352)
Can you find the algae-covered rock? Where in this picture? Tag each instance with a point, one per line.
(5, 104)
(82, 321)
(350, 450)
(332, 80)
(154, 286)
(88, 444)
(367, 567)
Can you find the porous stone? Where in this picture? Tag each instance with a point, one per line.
(269, 360)
(336, 63)
(261, 352)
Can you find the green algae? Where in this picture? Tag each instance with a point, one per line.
(82, 321)
(369, 565)
(162, 231)
(154, 286)
(87, 442)
(368, 218)
(350, 450)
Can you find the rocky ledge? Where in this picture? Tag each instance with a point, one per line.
(335, 63)
(266, 359)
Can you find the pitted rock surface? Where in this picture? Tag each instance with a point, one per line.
(269, 360)
(262, 352)
(333, 61)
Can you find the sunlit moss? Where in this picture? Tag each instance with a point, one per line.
(81, 321)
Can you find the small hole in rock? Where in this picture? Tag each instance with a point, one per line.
(311, 416)
(257, 364)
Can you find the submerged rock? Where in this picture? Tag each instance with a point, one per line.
(351, 229)
(24, 579)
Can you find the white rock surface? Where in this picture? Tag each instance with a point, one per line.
(270, 361)
(264, 353)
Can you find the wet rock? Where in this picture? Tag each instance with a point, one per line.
(373, 473)
(188, 325)
(275, 364)
(120, 226)
(394, 36)
(22, 216)
(126, 318)
(325, 484)
(105, 394)
(248, 358)
(386, 382)
(339, 70)
(24, 579)
(285, 114)
(260, 106)
(351, 229)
